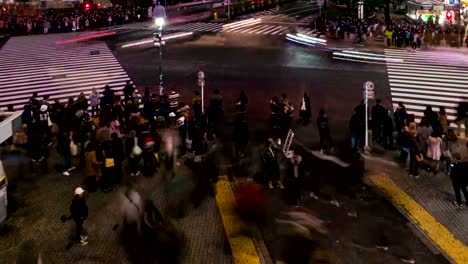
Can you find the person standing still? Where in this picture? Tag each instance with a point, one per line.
(79, 213)
(324, 131)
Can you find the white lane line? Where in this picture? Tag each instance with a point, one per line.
(72, 82)
(426, 74)
(421, 67)
(424, 102)
(438, 81)
(46, 90)
(20, 85)
(56, 71)
(69, 66)
(273, 29)
(68, 76)
(429, 97)
(260, 29)
(431, 83)
(251, 29)
(424, 87)
(423, 107)
(407, 90)
(264, 30)
(52, 97)
(281, 30)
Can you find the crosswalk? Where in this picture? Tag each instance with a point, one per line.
(264, 29)
(420, 79)
(268, 12)
(36, 64)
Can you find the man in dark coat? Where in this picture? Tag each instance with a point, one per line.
(459, 177)
(79, 213)
(294, 179)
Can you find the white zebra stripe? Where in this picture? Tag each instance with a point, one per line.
(36, 64)
(428, 79)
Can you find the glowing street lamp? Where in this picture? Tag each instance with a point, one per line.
(159, 15)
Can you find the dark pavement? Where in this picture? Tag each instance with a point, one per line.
(37, 200)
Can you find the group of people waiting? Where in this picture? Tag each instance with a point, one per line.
(60, 21)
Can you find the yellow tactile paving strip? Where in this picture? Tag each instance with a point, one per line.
(439, 234)
(243, 248)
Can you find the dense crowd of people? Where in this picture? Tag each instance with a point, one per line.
(429, 144)
(112, 138)
(400, 33)
(68, 20)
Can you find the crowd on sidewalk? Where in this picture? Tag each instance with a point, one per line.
(113, 138)
(77, 19)
(432, 145)
(400, 33)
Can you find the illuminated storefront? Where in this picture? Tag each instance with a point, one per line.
(445, 10)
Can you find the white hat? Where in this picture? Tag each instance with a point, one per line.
(171, 114)
(43, 108)
(79, 191)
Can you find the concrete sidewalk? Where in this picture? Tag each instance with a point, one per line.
(426, 202)
(37, 200)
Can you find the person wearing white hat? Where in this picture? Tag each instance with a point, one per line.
(79, 213)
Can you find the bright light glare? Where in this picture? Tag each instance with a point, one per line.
(321, 41)
(159, 21)
(365, 57)
(242, 23)
(298, 40)
(179, 35)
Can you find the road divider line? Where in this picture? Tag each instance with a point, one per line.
(167, 37)
(243, 248)
(437, 232)
(242, 23)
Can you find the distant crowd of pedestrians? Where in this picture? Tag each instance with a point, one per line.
(68, 20)
(400, 33)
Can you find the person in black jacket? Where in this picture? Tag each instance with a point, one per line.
(459, 177)
(79, 213)
(294, 179)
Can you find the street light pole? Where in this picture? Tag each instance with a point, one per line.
(201, 83)
(159, 15)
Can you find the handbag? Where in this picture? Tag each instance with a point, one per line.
(109, 162)
(73, 148)
(136, 151)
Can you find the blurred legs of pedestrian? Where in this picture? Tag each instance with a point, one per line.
(133, 164)
(95, 111)
(66, 163)
(388, 139)
(457, 187)
(106, 180)
(414, 165)
(355, 141)
(273, 176)
(80, 236)
(91, 183)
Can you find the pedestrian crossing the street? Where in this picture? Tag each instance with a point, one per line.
(420, 79)
(264, 29)
(37, 64)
